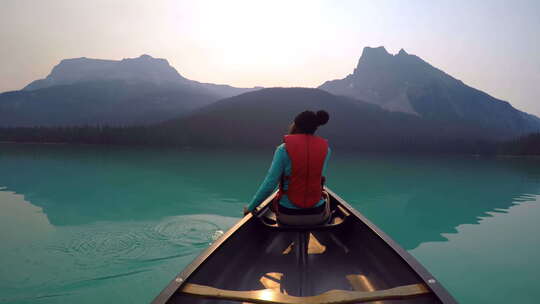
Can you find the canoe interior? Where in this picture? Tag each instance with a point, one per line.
(348, 257)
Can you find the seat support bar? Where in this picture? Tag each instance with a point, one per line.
(269, 296)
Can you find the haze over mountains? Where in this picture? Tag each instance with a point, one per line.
(260, 118)
(85, 91)
(388, 101)
(144, 69)
(406, 83)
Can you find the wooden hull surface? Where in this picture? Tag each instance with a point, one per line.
(356, 256)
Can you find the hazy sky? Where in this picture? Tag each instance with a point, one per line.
(493, 45)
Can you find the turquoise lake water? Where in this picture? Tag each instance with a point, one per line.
(87, 224)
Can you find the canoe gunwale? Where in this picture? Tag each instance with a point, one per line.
(181, 278)
(431, 283)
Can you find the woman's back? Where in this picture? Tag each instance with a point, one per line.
(298, 168)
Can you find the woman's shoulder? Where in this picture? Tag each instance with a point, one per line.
(281, 152)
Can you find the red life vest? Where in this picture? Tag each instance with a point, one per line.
(307, 154)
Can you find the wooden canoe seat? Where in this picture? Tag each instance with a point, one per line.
(267, 296)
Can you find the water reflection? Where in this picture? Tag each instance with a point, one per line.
(74, 217)
(83, 184)
(495, 260)
(422, 196)
(17, 215)
(418, 199)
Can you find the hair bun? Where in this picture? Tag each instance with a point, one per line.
(322, 117)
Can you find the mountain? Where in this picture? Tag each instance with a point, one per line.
(145, 69)
(132, 70)
(406, 83)
(262, 117)
(390, 102)
(85, 91)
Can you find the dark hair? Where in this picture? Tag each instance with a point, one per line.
(307, 122)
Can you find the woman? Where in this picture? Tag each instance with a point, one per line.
(298, 168)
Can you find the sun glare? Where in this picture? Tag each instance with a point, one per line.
(267, 295)
(253, 32)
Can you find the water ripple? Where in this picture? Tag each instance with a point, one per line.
(118, 275)
(32, 298)
(103, 245)
(185, 231)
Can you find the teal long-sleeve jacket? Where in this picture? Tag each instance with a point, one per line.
(281, 164)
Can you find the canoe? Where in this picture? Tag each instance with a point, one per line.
(346, 260)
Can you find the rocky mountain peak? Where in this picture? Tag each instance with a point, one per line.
(147, 60)
(406, 83)
(144, 68)
(402, 52)
(374, 55)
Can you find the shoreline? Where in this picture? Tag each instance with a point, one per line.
(35, 143)
(533, 156)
